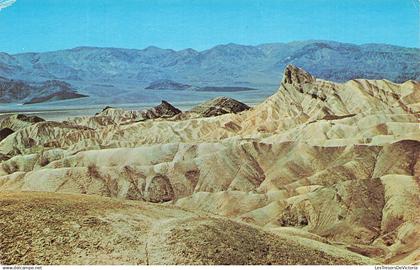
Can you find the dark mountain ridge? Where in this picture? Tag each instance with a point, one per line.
(29, 93)
(167, 84)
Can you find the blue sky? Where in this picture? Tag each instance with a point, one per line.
(44, 25)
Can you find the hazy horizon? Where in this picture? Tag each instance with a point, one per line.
(48, 25)
(205, 49)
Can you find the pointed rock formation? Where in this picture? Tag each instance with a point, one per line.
(163, 110)
(219, 106)
(115, 116)
(295, 75)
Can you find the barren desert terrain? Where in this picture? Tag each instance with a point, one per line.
(319, 173)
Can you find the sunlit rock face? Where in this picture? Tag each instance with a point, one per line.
(331, 167)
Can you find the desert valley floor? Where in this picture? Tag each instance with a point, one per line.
(319, 173)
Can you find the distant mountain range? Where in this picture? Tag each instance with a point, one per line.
(167, 85)
(108, 71)
(171, 85)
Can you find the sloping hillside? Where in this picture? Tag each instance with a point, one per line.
(332, 164)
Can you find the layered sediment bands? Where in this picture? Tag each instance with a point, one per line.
(331, 165)
(18, 121)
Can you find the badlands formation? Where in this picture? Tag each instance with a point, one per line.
(319, 173)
